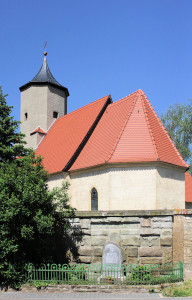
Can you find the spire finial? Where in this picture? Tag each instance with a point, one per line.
(45, 52)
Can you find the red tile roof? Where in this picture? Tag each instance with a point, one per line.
(188, 187)
(39, 130)
(125, 131)
(129, 131)
(68, 134)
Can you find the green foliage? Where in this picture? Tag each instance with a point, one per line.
(140, 273)
(30, 214)
(178, 123)
(40, 284)
(11, 142)
(181, 290)
(77, 273)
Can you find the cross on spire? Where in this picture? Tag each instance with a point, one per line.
(45, 52)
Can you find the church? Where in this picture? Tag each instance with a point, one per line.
(115, 155)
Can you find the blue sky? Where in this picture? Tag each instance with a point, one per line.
(99, 47)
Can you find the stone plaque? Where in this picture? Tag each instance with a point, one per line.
(111, 261)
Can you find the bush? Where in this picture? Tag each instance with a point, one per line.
(140, 274)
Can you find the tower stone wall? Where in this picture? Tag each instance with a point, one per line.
(43, 100)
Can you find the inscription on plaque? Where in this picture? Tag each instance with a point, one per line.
(111, 261)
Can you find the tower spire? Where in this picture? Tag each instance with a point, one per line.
(45, 52)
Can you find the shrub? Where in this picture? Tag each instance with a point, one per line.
(140, 274)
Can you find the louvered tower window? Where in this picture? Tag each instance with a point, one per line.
(94, 199)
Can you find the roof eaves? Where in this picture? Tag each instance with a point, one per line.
(87, 136)
(37, 83)
(162, 126)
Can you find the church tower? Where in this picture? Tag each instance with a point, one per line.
(43, 100)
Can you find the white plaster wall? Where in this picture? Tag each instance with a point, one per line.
(139, 187)
(133, 188)
(119, 188)
(56, 180)
(170, 188)
(81, 186)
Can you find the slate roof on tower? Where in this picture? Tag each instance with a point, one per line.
(128, 131)
(44, 76)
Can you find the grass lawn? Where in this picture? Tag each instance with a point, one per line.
(181, 290)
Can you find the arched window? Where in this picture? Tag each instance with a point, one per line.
(94, 199)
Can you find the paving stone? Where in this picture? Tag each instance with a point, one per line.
(131, 220)
(98, 241)
(85, 223)
(74, 220)
(115, 220)
(151, 260)
(86, 241)
(97, 260)
(114, 236)
(167, 232)
(132, 252)
(150, 231)
(131, 231)
(84, 259)
(130, 241)
(162, 219)
(161, 224)
(145, 222)
(167, 254)
(166, 240)
(150, 241)
(98, 251)
(99, 232)
(132, 260)
(150, 251)
(98, 220)
(86, 232)
(85, 251)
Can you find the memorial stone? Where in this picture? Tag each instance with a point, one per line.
(111, 261)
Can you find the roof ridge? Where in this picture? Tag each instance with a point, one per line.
(122, 129)
(148, 124)
(87, 136)
(165, 131)
(81, 108)
(124, 98)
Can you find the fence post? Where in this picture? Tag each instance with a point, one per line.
(181, 269)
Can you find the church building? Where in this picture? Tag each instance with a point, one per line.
(115, 155)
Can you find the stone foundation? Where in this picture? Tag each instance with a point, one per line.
(145, 237)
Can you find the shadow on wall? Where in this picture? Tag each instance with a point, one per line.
(66, 245)
(173, 174)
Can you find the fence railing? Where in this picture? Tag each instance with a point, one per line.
(105, 274)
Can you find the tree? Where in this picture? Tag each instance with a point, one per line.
(11, 141)
(178, 123)
(30, 214)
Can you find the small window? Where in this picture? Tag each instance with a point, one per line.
(94, 199)
(55, 114)
(26, 116)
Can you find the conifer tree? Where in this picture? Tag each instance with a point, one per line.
(11, 141)
(30, 214)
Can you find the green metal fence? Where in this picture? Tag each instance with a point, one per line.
(105, 274)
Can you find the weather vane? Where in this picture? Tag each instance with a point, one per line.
(45, 52)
